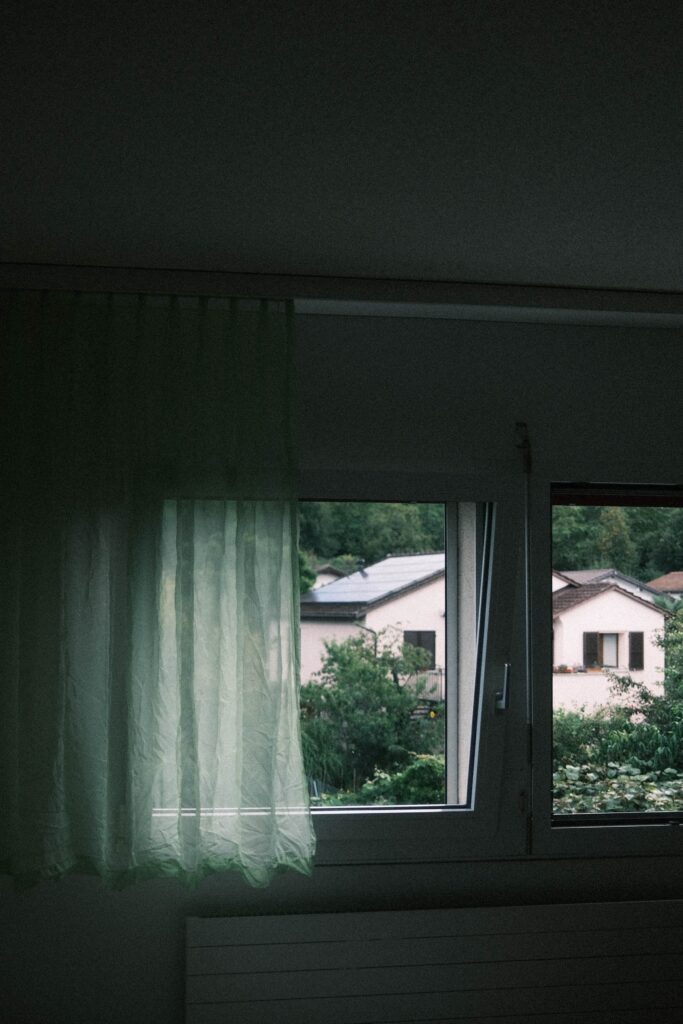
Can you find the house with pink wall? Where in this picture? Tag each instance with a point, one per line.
(603, 622)
(402, 593)
(601, 628)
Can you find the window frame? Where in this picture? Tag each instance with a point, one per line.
(599, 835)
(600, 662)
(416, 641)
(496, 820)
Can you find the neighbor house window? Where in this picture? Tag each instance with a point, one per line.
(424, 640)
(601, 650)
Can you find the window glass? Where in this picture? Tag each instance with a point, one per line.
(381, 603)
(617, 600)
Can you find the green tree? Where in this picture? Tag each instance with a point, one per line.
(306, 573)
(615, 546)
(369, 529)
(358, 717)
(575, 533)
(667, 547)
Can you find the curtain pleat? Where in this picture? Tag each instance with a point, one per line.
(149, 649)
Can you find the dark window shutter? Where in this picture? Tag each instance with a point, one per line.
(635, 651)
(591, 654)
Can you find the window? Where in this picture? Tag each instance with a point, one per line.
(601, 650)
(373, 692)
(424, 640)
(473, 636)
(608, 761)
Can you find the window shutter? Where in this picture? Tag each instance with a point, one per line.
(635, 651)
(591, 655)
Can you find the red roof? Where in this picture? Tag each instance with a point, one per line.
(669, 581)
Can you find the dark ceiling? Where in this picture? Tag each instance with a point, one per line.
(465, 140)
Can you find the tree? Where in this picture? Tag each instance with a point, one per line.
(306, 573)
(359, 716)
(615, 547)
(369, 529)
(574, 537)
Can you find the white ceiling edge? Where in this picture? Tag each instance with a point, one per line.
(372, 297)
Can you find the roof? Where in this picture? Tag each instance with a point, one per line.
(583, 576)
(669, 581)
(330, 570)
(566, 577)
(350, 596)
(569, 597)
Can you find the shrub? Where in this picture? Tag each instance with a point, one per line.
(361, 714)
(616, 787)
(422, 781)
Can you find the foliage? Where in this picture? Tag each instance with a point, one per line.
(580, 737)
(306, 573)
(643, 542)
(616, 735)
(615, 546)
(359, 714)
(587, 788)
(422, 781)
(369, 530)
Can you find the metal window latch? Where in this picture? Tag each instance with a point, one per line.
(503, 696)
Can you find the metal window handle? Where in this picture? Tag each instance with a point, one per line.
(503, 696)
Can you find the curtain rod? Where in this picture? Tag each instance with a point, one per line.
(355, 296)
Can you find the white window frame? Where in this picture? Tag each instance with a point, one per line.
(605, 834)
(496, 822)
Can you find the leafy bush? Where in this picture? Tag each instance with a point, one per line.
(579, 737)
(588, 788)
(420, 782)
(361, 715)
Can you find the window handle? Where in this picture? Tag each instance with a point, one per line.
(503, 696)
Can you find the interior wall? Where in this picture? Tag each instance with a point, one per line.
(443, 395)
(404, 396)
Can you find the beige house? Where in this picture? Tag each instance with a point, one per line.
(404, 593)
(600, 627)
(603, 622)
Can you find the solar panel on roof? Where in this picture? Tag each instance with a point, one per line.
(378, 580)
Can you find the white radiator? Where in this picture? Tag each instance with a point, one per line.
(591, 963)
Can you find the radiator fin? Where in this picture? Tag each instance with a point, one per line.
(589, 963)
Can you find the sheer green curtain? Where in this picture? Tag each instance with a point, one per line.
(149, 696)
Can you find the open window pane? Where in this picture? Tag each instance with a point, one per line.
(388, 651)
(617, 590)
